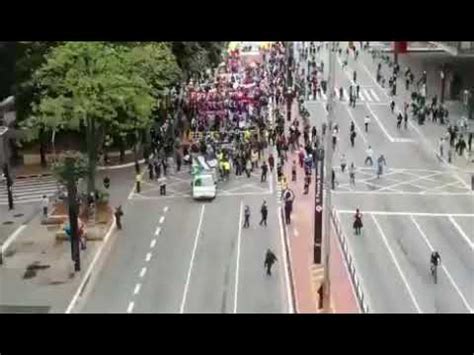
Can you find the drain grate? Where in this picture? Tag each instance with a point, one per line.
(8, 222)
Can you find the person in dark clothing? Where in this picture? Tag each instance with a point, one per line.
(288, 210)
(106, 182)
(264, 167)
(353, 135)
(118, 216)
(179, 161)
(264, 212)
(357, 222)
(352, 126)
(333, 179)
(157, 170)
(392, 106)
(469, 141)
(399, 120)
(150, 171)
(270, 259)
(271, 162)
(247, 217)
(313, 133)
(357, 90)
(293, 171)
(405, 119)
(165, 166)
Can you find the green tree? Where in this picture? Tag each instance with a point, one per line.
(88, 85)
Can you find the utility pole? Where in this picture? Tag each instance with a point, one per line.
(328, 159)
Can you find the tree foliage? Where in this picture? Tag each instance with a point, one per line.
(77, 170)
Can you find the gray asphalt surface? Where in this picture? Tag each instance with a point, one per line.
(192, 262)
(406, 213)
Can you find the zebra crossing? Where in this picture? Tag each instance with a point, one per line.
(365, 95)
(29, 189)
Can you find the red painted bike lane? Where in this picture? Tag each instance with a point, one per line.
(300, 235)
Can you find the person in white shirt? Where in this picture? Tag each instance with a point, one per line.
(44, 205)
(370, 154)
(366, 123)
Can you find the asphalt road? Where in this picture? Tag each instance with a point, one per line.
(177, 255)
(417, 205)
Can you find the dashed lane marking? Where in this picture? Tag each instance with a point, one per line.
(142, 272)
(130, 307)
(153, 243)
(137, 289)
(148, 257)
(162, 219)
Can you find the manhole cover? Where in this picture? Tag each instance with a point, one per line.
(8, 222)
(18, 215)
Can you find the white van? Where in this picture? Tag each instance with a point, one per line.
(204, 186)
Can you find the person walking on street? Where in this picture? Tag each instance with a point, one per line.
(469, 141)
(150, 171)
(118, 216)
(293, 171)
(343, 163)
(380, 163)
(334, 139)
(399, 120)
(354, 76)
(392, 106)
(357, 222)
(405, 119)
(366, 123)
(333, 179)
(162, 182)
(352, 137)
(270, 259)
(369, 154)
(357, 90)
(138, 180)
(264, 168)
(179, 161)
(352, 126)
(352, 174)
(44, 205)
(247, 217)
(271, 162)
(264, 212)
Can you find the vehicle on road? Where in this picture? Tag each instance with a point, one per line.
(204, 183)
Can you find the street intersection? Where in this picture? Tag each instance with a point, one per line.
(418, 205)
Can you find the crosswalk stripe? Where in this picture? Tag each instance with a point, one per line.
(369, 98)
(323, 95)
(361, 95)
(34, 188)
(375, 95)
(31, 193)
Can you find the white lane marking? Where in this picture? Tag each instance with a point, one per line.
(12, 238)
(461, 232)
(153, 243)
(295, 232)
(191, 263)
(372, 91)
(357, 125)
(130, 307)
(162, 219)
(148, 257)
(397, 265)
(165, 209)
(425, 238)
(142, 272)
(401, 193)
(421, 214)
(409, 181)
(361, 96)
(373, 79)
(287, 261)
(91, 267)
(382, 127)
(157, 231)
(237, 266)
(137, 289)
(443, 186)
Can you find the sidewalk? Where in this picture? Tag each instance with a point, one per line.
(51, 284)
(300, 234)
(431, 132)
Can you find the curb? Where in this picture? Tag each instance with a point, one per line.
(92, 273)
(288, 258)
(33, 176)
(115, 167)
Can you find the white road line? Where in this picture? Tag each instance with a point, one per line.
(157, 231)
(286, 262)
(403, 193)
(137, 289)
(421, 214)
(425, 238)
(395, 261)
(442, 186)
(148, 257)
(372, 91)
(410, 181)
(142, 272)
(459, 229)
(12, 238)
(130, 307)
(373, 79)
(191, 263)
(153, 243)
(162, 219)
(237, 266)
(382, 127)
(361, 95)
(357, 125)
(165, 209)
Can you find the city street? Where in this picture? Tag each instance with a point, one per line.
(416, 206)
(175, 254)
